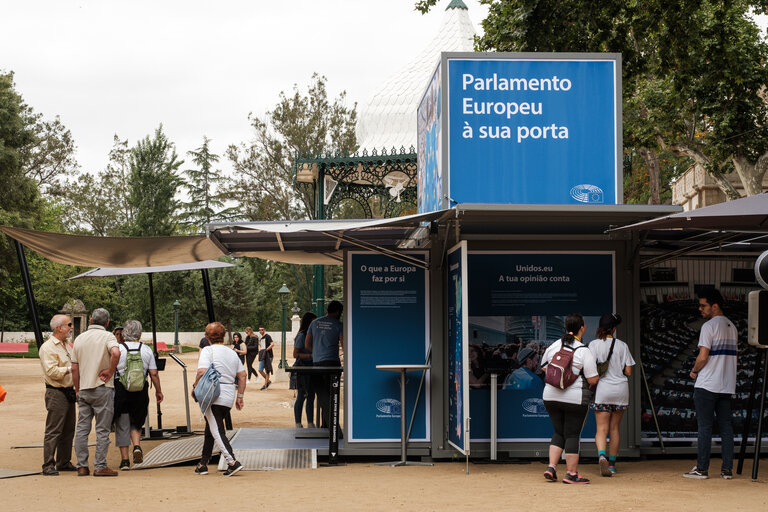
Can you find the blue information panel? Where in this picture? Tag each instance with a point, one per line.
(458, 390)
(533, 131)
(521, 129)
(388, 324)
(429, 122)
(519, 301)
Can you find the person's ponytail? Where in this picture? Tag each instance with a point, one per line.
(573, 324)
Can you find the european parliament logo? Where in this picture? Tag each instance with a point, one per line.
(389, 406)
(535, 406)
(587, 194)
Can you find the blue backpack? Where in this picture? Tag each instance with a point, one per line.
(207, 389)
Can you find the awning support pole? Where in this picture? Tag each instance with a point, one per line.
(211, 319)
(208, 296)
(154, 340)
(31, 304)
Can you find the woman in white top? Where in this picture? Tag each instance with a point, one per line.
(612, 395)
(231, 380)
(568, 407)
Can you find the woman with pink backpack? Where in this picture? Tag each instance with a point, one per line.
(569, 374)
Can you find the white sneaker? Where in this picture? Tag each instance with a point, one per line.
(697, 473)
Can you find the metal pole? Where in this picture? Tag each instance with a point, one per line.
(211, 319)
(283, 362)
(428, 362)
(31, 304)
(186, 390)
(403, 412)
(653, 409)
(154, 340)
(748, 416)
(208, 295)
(760, 415)
(494, 414)
(318, 281)
(176, 345)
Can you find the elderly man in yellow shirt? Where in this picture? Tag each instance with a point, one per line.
(94, 359)
(60, 398)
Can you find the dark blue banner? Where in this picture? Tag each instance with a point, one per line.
(512, 284)
(517, 307)
(388, 324)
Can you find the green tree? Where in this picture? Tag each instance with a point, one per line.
(300, 124)
(206, 201)
(50, 155)
(20, 201)
(98, 203)
(152, 185)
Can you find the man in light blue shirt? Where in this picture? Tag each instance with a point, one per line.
(323, 339)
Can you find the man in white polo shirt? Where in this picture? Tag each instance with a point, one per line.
(715, 374)
(95, 355)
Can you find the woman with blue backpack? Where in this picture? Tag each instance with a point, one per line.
(218, 368)
(569, 373)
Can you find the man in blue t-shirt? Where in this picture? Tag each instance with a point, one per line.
(323, 339)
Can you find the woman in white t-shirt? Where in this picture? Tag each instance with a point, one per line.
(231, 382)
(612, 394)
(568, 407)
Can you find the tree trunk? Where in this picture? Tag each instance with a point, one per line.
(654, 174)
(701, 159)
(751, 175)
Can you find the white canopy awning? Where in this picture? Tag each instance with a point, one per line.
(115, 271)
(101, 251)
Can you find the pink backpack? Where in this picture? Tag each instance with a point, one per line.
(559, 369)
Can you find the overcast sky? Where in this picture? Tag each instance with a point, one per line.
(199, 67)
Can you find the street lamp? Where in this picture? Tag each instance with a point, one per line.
(176, 345)
(283, 292)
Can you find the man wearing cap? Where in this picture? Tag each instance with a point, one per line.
(524, 377)
(56, 361)
(715, 374)
(94, 360)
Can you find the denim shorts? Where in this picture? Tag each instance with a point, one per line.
(608, 407)
(261, 366)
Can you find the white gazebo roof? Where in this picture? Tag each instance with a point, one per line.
(388, 119)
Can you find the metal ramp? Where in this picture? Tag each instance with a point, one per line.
(13, 473)
(263, 449)
(175, 452)
(273, 459)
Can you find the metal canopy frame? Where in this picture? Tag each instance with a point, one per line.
(324, 241)
(363, 176)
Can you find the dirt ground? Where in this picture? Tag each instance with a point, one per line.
(642, 485)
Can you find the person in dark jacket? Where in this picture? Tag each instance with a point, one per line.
(252, 347)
